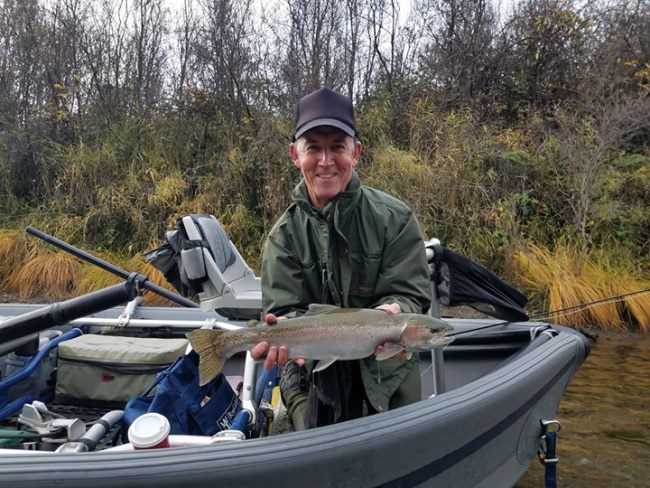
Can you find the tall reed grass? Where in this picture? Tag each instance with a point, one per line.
(45, 273)
(565, 278)
(34, 272)
(14, 247)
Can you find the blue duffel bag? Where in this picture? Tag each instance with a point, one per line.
(191, 409)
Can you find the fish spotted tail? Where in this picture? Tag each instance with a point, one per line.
(210, 363)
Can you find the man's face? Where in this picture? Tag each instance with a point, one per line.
(326, 157)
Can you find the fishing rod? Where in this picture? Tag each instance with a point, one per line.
(563, 311)
(111, 268)
(583, 306)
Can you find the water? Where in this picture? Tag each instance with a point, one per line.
(605, 416)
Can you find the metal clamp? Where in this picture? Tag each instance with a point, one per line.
(138, 281)
(539, 330)
(210, 323)
(555, 426)
(434, 250)
(547, 441)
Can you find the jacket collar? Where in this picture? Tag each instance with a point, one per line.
(343, 203)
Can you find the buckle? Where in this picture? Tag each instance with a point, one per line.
(550, 426)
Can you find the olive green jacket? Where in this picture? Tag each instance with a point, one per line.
(365, 249)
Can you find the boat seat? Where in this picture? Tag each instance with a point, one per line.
(228, 284)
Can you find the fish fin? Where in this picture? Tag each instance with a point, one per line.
(390, 350)
(209, 369)
(210, 363)
(323, 364)
(320, 309)
(441, 324)
(324, 308)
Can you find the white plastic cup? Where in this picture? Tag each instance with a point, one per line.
(149, 431)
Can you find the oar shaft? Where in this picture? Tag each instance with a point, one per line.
(61, 312)
(111, 268)
(78, 252)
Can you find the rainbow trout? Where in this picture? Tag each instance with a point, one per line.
(325, 333)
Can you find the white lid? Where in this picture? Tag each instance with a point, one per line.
(148, 430)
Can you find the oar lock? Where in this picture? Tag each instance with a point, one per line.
(138, 280)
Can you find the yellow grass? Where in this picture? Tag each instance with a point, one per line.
(566, 278)
(169, 190)
(638, 307)
(31, 271)
(94, 278)
(13, 250)
(45, 273)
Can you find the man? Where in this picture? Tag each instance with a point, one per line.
(345, 244)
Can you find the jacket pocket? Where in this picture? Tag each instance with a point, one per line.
(310, 282)
(364, 273)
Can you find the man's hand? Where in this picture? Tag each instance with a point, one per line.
(403, 354)
(392, 309)
(274, 355)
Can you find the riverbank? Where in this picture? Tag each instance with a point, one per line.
(605, 416)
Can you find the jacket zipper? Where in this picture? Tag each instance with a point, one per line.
(324, 285)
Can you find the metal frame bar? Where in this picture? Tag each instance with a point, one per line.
(433, 250)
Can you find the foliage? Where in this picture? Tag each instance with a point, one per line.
(496, 133)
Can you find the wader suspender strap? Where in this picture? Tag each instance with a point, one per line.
(547, 453)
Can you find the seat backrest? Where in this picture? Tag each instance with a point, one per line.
(228, 284)
(215, 238)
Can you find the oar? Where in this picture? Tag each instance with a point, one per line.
(62, 312)
(110, 267)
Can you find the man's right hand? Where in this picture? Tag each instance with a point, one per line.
(274, 355)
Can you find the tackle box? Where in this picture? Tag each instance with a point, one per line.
(111, 369)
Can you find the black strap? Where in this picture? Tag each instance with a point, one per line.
(547, 452)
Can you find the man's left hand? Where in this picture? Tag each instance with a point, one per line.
(392, 309)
